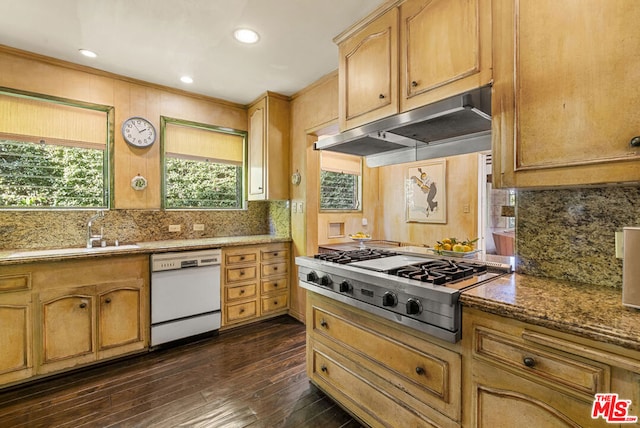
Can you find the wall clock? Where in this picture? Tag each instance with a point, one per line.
(138, 132)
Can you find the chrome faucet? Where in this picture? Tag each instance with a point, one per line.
(91, 238)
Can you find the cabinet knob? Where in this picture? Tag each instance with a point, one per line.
(381, 96)
(529, 361)
(275, 285)
(275, 254)
(635, 142)
(242, 311)
(107, 300)
(241, 273)
(414, 84)
(83, 305)
(275, 268)
(323, 323)
(242, 291)
(420, 370)
(275, 302)
(323, 368)
(241, 257)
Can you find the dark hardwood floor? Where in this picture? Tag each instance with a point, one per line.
(252, 376)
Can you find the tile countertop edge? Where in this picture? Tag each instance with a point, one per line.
(7, 257)
(590, 311)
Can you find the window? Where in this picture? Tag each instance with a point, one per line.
(340, 182)
(53, 152)
(204, 165)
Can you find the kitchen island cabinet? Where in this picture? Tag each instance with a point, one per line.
(563, 107)
(381, 372)
(72, 313)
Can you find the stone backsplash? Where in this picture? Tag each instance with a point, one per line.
(62, 229)
(570, 234)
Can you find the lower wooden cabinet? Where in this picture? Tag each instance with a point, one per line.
(255, 283)
(523, 375)
(67, 314)
(383, 373)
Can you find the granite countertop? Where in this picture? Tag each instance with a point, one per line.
(591, 311)
(9, 257)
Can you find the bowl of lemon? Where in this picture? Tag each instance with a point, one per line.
(455, 247)
(361, 237)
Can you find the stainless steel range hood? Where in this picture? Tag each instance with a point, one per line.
(453, 126)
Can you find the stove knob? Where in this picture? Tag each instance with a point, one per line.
(345, 287)
(389, 299)
(312, 276)
(414, 307)
(326, 281)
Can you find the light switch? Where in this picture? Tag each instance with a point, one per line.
(294, 207)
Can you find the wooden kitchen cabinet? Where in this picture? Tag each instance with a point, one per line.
(519, 374)
(16, 348)
(445, 49)
(368, 72)
(564, 102)
(412, 55)
(380, 371)
(269, 148)
(69, 314)
(255, 283)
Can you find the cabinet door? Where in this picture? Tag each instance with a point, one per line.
(257, 135)
(15, 337)
(501, 399)
(565, 99)
(67, 328)
(445, 49)
(120, 315)
(368, 72)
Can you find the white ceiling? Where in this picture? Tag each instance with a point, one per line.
(158, 41)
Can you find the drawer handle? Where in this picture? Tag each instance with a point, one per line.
(420, 370)
(323, 368)
(381, 96)
(529, 361)
(323, 323)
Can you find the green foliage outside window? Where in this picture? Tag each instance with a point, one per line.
(201, 184)
(339, 191)
(41, 176)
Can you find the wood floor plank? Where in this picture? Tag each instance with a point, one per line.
(253, 376)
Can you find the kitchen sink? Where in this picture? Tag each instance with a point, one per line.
(71, 251)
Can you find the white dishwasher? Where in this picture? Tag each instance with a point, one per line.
(185, 294)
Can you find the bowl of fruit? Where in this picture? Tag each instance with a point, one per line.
(455, 247)
(361, 237)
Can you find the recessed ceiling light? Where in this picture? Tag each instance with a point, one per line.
(88, 53)
(186, 79)
(245, 35)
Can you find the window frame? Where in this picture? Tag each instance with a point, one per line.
(164, 121)
(360, 181)
(108, 159)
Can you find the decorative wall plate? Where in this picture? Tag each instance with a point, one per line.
(139, 182)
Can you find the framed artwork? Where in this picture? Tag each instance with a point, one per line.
(426, 193)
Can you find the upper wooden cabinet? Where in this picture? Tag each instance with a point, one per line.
(412, 55)
(269, 148)
(444, 49)
(368, 72)
(565, 99)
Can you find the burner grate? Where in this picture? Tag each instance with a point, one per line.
(344, 257)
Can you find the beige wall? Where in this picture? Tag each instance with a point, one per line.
(461, 191)
(33, 73)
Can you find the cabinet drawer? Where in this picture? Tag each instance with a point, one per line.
(274, 255)
(271, 285)
(584, 377)
(231, 259)
(240, 292)
(431, 372)
(274, 269)
(19, 282)
(274, 303)
(239, 312)
(241, 274)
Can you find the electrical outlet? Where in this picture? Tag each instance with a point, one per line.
(175, 228)
(300, 207)
(619, 245)
(294, 207)
(198, 227)
(364, 221)
(466, 208)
